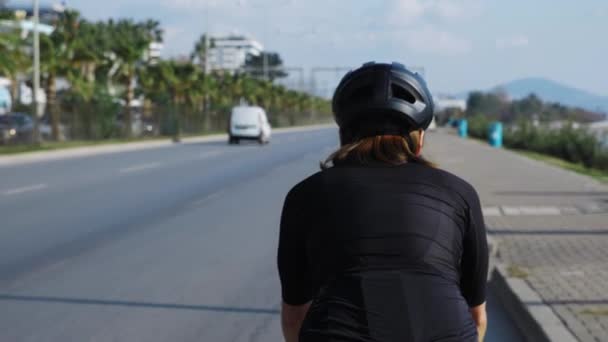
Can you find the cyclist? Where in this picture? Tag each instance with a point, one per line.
(381, 245)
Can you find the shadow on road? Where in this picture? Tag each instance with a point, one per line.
(87, 301)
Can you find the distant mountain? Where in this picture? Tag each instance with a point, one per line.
(551, 91)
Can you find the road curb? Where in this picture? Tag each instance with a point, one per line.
(535, 320)
(493, 253)
(85, 151)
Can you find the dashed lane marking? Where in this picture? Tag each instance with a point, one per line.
(24, 189)
(140, 167)
(209, 154)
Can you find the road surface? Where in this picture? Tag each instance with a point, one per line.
(169, 244)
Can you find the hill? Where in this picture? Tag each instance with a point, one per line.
(551, 91)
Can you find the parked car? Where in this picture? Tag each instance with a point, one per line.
(19, 127)
(15, 127)
(250, 123)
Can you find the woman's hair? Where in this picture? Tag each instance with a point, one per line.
(389, 149)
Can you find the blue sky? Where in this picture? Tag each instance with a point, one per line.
(462, 44)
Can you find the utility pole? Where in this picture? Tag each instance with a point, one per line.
(206, 69)
(265, 66)
(36, 83)
(206, 57)
(206, 43)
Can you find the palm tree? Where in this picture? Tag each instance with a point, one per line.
(14, 61)
(130, 41)
(56, 53)
(6, 63)
(52, 64)
(179, 79)
(153, 29)
(89, 48)
(199, 54)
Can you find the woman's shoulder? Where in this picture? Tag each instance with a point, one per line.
(451, 182)
(306, 186)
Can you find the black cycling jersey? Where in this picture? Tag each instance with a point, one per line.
(385, 253)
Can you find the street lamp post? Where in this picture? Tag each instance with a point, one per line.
(36, 81)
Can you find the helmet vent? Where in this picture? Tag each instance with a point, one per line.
(402, 94)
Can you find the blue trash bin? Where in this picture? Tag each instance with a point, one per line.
(495, 134)
(463, 128)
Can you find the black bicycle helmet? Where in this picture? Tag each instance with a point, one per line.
(383, 93)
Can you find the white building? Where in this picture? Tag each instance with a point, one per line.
(229, 53)
(153, 54)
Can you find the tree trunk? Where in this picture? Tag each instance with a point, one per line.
(206, 114)
(15, 91)
(128, 100)
(176, 119)
(51, 95)
(90, 71)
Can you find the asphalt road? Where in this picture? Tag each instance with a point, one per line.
(168, 244)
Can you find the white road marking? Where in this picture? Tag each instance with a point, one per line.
(539, 210)
(530, 211)
(491, 211)
(204, 200)
(511, 211)
(24, 189)
(140, 167)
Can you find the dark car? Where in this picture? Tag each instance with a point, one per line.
(15, 127)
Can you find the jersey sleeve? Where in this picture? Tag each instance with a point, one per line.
(292, 264)
(474, 263)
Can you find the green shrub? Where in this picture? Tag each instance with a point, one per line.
(478, 126)
(568, 143)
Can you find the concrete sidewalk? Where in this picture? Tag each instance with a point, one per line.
(75, 152)
(551, 226)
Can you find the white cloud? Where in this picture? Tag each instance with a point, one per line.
(191, 4)
(405, 10)
(431, 40)
(244, 5)
(410, 10)
(450, 8)
(519, 41)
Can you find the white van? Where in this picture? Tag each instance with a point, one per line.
(248, 122)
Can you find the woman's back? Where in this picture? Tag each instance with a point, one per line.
(387, 253)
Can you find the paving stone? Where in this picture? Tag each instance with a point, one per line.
(554, 225)
(570, 211)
